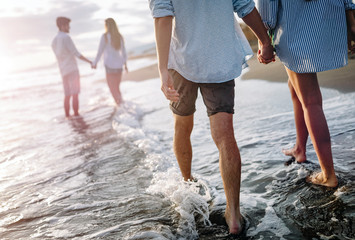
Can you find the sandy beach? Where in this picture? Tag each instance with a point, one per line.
(342, 79)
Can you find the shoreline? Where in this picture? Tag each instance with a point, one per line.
(342, 79)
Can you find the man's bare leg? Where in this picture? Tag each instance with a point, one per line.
(299, 150)
(307, 89)
(182, 144)
(230, 166)
(76, 104)
(67, 106)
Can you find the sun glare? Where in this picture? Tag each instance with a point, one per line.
(5, 66)
(20, 7)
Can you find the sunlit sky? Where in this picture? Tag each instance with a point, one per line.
(27, 28)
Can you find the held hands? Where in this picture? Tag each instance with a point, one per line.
(167, 86)
(266, 53)
(93, 66)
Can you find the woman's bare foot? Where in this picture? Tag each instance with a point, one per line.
(319, 179)
(299, 155)
(235, 223)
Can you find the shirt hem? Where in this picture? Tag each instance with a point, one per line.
(314, 70)
(192, 79)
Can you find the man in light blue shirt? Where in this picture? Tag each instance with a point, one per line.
(65, 52)
(200, 45)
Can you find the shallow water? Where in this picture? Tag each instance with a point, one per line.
(111, 174)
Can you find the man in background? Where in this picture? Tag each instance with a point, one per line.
(65, 51)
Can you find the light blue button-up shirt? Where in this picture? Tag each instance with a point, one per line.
(309, 36)
(207, 44)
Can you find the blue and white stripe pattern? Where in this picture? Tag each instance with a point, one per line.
(309, 36)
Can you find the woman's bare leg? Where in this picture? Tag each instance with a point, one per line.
(299, 150)
(113, 81)
(308, 92)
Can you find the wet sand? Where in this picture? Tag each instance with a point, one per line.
(342, 79)
(141, 74)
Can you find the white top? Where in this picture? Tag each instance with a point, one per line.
(65, 51)
(207, 44)
(112, 58)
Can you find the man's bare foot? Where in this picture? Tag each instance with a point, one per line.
(235, 223)
(299, 155)
(319, 179)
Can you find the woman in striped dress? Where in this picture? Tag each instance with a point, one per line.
(310, 36)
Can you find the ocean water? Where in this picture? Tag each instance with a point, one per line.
(111, 173)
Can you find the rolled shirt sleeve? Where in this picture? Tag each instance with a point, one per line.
(243, 7)
(161, 8)
(349, 4)
(268, 11)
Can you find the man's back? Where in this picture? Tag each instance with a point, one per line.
(65, 51)
(207, 44)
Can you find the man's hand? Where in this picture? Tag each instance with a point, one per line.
(266, 53)
(167, 86)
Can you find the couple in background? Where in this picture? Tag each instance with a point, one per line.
(115, 57)
(198, 47)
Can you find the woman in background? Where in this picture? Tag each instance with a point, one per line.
(115, 57)
(310, 36)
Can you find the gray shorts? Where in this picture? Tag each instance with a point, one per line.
(113, 70)
(218, 97)
(71, 83)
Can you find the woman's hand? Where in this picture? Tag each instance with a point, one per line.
(266, 53)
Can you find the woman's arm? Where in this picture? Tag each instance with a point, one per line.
(100, 51)
(124, 54)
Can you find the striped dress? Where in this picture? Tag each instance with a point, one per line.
(309, 36)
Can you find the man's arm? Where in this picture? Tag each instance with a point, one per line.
(266, 50)
(70, 45)
(163, 29)
(85, 59)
